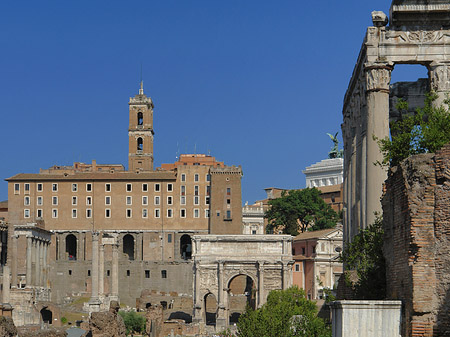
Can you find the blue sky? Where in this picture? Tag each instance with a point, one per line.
(253, 83)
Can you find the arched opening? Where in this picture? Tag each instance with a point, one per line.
(71, 247)
(140, 144)
(148, 305)
(140, 118)
(128, 246)
(186, 247)
(46, 316)
(242, 293)
(210, 303)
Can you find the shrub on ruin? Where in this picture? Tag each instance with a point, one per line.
(427, 130)
(134, 323)
(286, 313)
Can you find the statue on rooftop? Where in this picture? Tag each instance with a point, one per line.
(335, 152)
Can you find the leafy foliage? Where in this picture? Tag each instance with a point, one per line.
(275, 318)
(365, 255)
(425, 131)
(300, 209)
(133, 322)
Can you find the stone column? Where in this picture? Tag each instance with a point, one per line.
(14, 280)
(41, 262)
(198, 307)
(95, 264)
(6, 285)
(261, 294)
(29, 260)
(36, 263)
(378, 77)
(44, 267)
(440, 80)
(115, 272)
(101, 271)
(221, 320)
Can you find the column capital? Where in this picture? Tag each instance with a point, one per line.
(439, 76)
(378, 76)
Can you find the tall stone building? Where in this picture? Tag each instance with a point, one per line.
(109, 233)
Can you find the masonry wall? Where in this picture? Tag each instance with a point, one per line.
(416, 216)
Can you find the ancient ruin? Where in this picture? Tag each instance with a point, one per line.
(418, 33)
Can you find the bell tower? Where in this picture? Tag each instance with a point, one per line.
(140, 133)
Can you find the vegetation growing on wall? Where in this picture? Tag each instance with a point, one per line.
(134, 323)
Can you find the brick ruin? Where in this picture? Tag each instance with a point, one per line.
(416, 217)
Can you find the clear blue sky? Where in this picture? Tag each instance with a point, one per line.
(254, 83)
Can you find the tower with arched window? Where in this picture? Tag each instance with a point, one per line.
(140, 133)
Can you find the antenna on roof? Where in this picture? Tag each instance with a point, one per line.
(141, 90)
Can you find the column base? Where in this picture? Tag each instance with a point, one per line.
(221, 324)
(93, 305)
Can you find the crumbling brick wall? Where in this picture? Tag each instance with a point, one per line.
(416, 213)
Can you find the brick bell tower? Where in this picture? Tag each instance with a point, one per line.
(140, 133)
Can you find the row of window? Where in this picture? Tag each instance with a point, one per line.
(128, 214)
(128, 188)
(128, 200)
(147, 273)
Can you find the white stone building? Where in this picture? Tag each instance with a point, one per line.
(253, 218)
(325, 173)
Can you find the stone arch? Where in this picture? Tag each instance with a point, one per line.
(186, 247)
(46, 315)
(71, 247)
(210, 306)
(241, 292)
(128, 246)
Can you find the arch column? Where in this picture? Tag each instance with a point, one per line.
(440, 80)
(222, 317)
(261, 292)
(198, 307)
(378, 78)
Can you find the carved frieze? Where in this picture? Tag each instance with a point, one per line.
(416, 37)
(440, 77)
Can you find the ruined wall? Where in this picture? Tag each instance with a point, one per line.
(417, 225)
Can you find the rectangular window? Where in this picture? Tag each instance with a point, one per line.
(196, 201)
(147, 274)
(228, 201)
(74, 213)
(169, 200)
(128, 187)
(128, 213)
(39, 213)
(27, 188)
(228, 214)
(108, 273)
(157, 187)
(39, 187)
(144, 213)
(55, 187)
(208, 190)
(196, 213)
(169, 212)
(156, 200)
(107, 187)
(74, 187)
(107, 200)
(144, 187)
(40, 201)
(144, 200)
(128, 272)
(206, 213)
(88, 200)
(183, 177)
(54, 213)
(156, 212)
(16, 188)
(297, 267)
(129, 201)
(74, 200)
(196, 190)
(169, 187)
(183, 190)
(169, 238)
(208, 177)
(54, 201)
(107, 213)
(163, 273)
(26, 201)
(228, 191)
(206, 200)
(182, 200)
(182, 213)
(196, 177)
(88, 213)
(303, 250)
(88, 187)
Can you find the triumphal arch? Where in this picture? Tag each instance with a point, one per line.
(265, 260)
(418, 33)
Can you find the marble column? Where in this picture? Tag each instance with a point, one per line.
(94, 269)
(14, 280)
(440, 81)
(29, 260)
(36, 262)
(115, 272)
(378, 77)
(6, 285)
(221, 320)
(261, 294)
(44, 267)
(101, 271)
(41, 263)
(198, 307)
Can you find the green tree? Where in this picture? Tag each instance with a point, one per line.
(134, 323)
(425, 131)
(365, 255)
(286, 313)
(300, 210)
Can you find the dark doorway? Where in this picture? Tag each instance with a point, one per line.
(210, 309)
(71, 247)
(186, 247)
(46, 316)
(128, 246)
